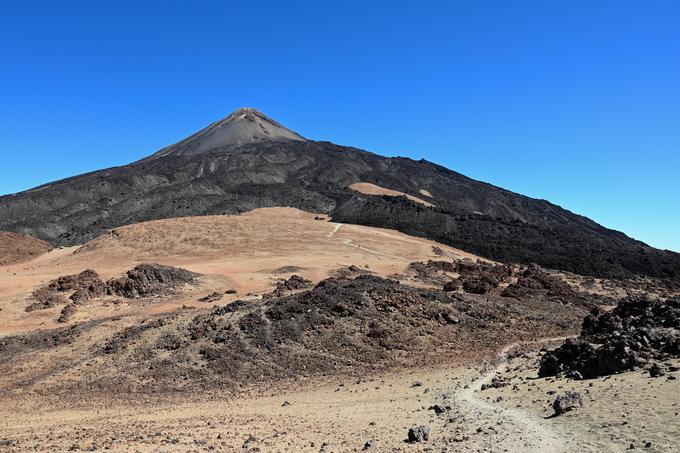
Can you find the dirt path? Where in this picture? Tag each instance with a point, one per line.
(350, 243)
(343, 417)
(335, 230)
(531, 432)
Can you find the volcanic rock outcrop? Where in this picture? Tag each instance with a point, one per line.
(144, 280)
(637, 331)
(342, 326)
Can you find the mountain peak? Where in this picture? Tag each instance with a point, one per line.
(243, 126)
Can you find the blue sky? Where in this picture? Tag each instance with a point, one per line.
(577, 102)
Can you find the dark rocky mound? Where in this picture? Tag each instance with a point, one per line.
(351, 272)
(144, 280)
(434, 271)
(474, 277)
(534, 280)
(82, 286)
(193, 178)
(295, 282)
(148, 280)
(340, 327)
(637, 331)
(480, 277)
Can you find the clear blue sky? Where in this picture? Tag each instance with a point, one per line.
(577, 102)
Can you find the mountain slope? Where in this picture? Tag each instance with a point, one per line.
(229, 177)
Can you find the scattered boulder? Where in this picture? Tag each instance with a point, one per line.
(351, 272)
(370, 445)
(568, 402)
(575, 375)
(477, 286)
(248, 443)
(434, 272)
(449, 318)
(212, 297)
(496, 383)
(482, 277)
(477, 277)
(295, 282)
(439, 408)
(419, 434)
(657, 370)
(588, 360)
(453, 285)
(286, 270)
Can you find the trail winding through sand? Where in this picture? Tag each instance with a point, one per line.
(335, 230)
(350, 243)
(536, 434)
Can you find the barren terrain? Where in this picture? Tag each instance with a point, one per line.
(301, 334)
(247, 253)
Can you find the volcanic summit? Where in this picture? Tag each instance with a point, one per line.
(244, 126)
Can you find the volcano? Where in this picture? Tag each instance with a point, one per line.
(243, 126)
(248, 161)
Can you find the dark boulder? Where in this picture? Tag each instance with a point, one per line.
(439, 408)
(496, 383)
(68, 312)
(568, 402)
(657, 370)
(212, 297)
(419, 434)
(452, 285)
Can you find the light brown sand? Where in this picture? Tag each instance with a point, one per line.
(372, 189)
(234, 252)
(620, 410)
(342, 416)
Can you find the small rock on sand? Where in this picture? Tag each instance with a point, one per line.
(419, 434)
(568, 402)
